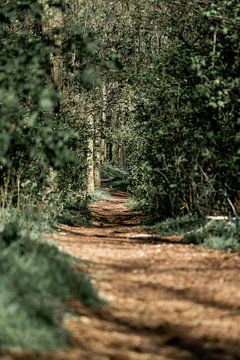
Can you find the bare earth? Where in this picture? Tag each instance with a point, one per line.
(168, 300)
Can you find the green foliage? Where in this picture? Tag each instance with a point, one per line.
(100, 195)
(74, 211)
(30, 220)
(180, 226)
(119, 184)
(36, 278)
(137, 205)
(117, 176)
(222, 243)
(222, 235)
(172, 100)
(37, 130)
(214, 234)
(217, 68)
(110, 171)
(27, 97)
(183, 109)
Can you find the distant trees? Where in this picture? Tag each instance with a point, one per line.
(152, 84)
(175, 108)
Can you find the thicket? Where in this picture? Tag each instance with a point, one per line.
(154, 87)
(174, 106)
(161, 98)
(172, 114)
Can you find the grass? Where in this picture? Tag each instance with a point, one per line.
(30, 220)
(76, 212)
(136, 205)
(100, 195)
(222, 243)
(36, 278)
(215, 234)
(179, 225)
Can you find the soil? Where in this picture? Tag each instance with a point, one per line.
(167, 300)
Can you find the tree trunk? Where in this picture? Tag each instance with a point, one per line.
(52, 21)
(100, 143)
(122, 156)
(90, 159)
(103, 125)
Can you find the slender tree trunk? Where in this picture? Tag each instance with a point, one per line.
(90, 160)
(97, 167)
(122, 156)
(100, 143)
(103, 125)
(52, 21)
(97, 152)
(110, 152)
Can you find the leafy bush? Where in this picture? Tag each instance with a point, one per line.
(74, 210)
(31, 220)
(39, 133)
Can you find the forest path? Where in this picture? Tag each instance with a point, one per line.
(168, 300)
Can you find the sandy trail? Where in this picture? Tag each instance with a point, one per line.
(168, 300)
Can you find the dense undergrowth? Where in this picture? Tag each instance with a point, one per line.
(36, 278)
(75, 211)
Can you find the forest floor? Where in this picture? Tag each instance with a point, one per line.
(167, 300)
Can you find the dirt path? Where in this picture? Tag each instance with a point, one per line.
(168, 300)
